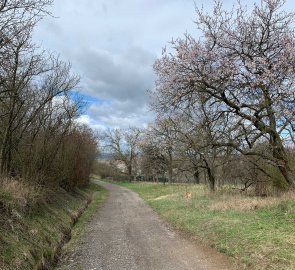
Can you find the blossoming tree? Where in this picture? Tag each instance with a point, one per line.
(243, 66)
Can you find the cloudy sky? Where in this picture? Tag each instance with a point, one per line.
(112, 45)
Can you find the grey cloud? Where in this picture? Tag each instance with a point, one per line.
(118, 114)
(113, 44)
(118, 77)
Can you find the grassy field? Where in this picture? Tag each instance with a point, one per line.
(257, 232)
(31, 237)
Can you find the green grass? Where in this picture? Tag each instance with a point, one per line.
(257, 232)
(29, 238)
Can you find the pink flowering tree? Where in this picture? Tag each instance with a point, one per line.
(242, 68)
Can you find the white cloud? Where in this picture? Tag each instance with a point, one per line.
(84, 119)
(119, 114)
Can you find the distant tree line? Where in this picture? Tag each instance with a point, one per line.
(225, 104)
(39, 139)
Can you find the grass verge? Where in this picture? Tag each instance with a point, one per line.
(257, 232)
(31, 236)
(78, 230)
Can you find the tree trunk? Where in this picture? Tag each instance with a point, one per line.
(211, 179)
(6, 154)
(278, 149)
(170, 175)
(129, 168)
(211, 176)
(170, 168)
(281, 160)
(196, 177)
(3, 159)
(285, 169)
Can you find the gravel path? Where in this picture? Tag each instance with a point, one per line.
(125, 233)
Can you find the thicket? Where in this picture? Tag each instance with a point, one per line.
(45, 155)
(41, 144)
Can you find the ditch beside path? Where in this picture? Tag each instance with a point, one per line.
(125, 233)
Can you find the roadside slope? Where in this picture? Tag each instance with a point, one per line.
(32, 238)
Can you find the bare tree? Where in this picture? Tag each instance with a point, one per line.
(124, 147)
(39, 139)
(17, 18)
(32, 82)
(155, 161)
(164, 137)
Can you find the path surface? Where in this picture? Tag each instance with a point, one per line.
(125, 233)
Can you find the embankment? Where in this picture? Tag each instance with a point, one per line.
(34, 226)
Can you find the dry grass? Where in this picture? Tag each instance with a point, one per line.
(30, 239)
(17, 193)
(225, 198)
(164, 197)
(245, 203)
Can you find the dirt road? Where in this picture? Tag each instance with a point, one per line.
(125, 233)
